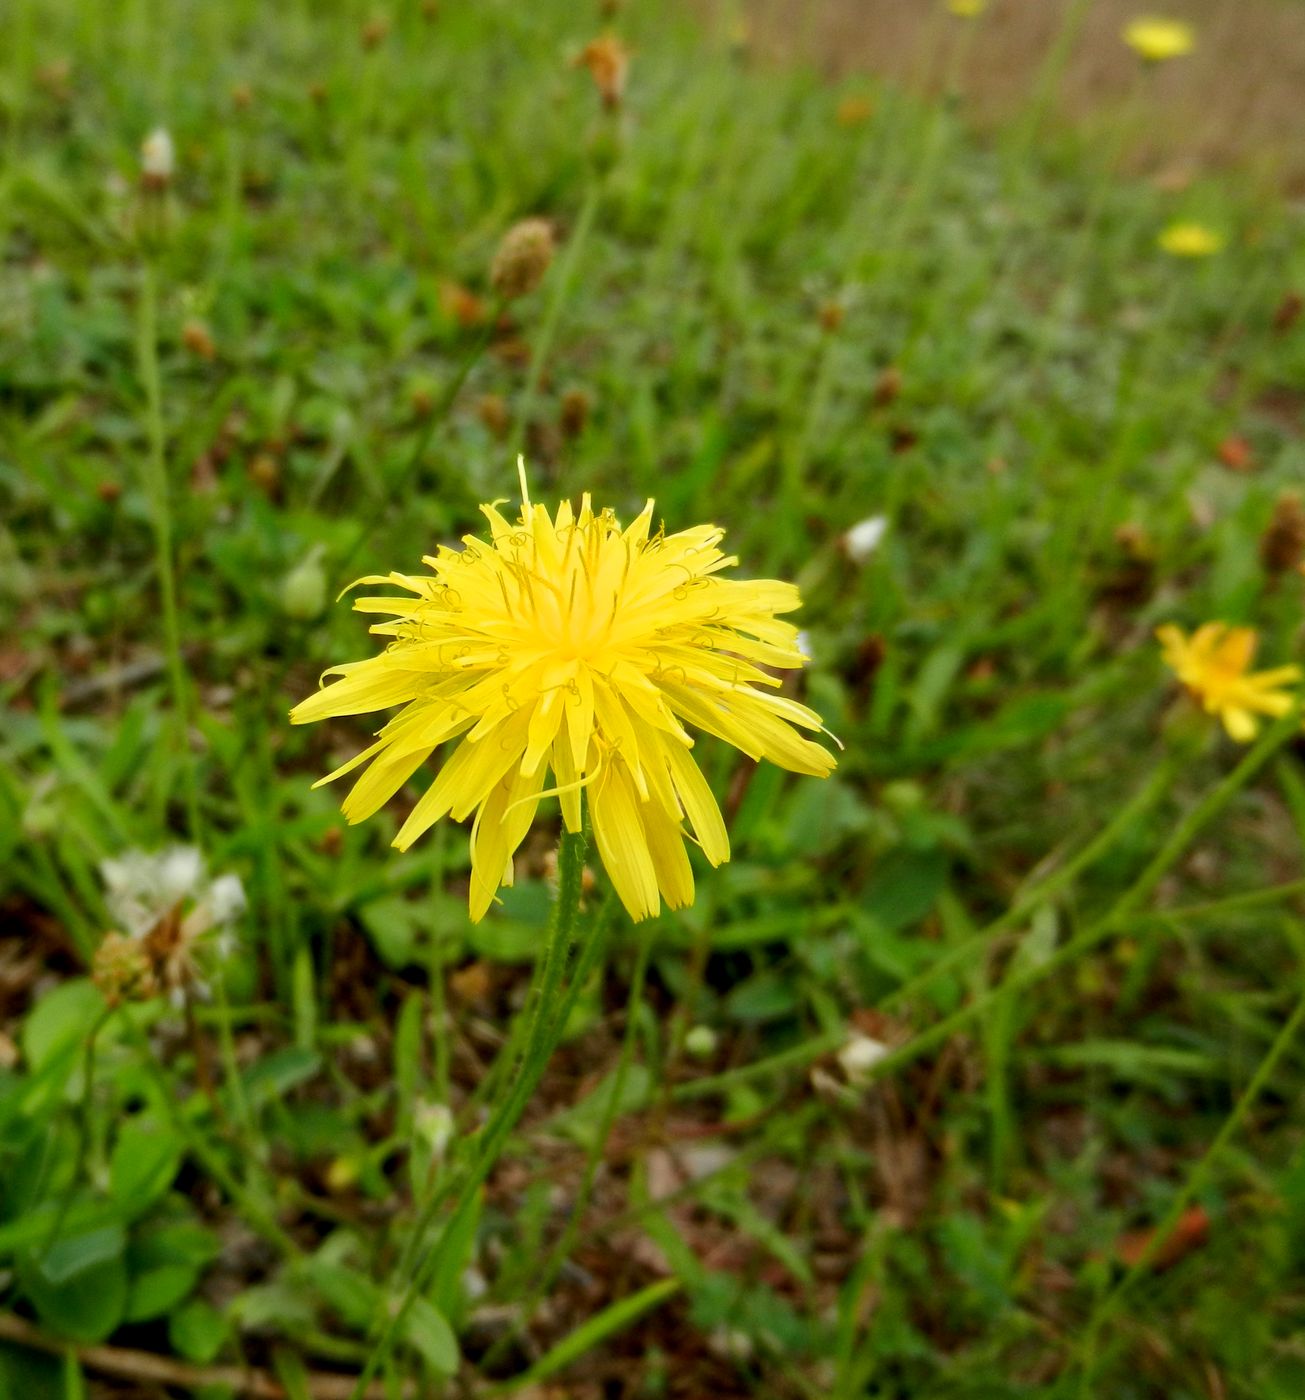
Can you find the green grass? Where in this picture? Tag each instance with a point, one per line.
(1036, 875)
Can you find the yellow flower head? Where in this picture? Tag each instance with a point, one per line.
(967, 9)
(569, 644)
(1158, 39)
(1188, 240)
(1213, 665)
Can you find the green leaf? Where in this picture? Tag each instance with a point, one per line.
(427, 1331)
(197, 1331)
(275, 1076)
(767, 996)
(394, 925)
(79, 1286)
(905, 885)
(349, 1294)
(67, 1258)
(582, 1121)
(164, 1266)
(146, 1159)
(60, 1022)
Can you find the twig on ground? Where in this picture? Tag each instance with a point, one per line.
(147, 1366)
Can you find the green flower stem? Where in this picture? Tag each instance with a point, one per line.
(1196, 1179)
(545, 1030)
(84, 1109)
(156, 489)
(597, 1150)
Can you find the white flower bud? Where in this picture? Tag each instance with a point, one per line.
(158, 157)
(861, 541)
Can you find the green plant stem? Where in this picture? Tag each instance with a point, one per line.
(545, 1029)
(548, 1271)
(84, 1107)
(1196, 1178)
(254, 1210)
(157, 491)
(552, 316)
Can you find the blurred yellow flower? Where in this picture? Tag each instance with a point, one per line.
(967, 9)
(1213, 664)
(1189, 240)
(571, 644)
(1158, 39)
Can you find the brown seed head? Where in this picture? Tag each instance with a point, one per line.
(523, 257)
(831, 316)
(574, 413)
(1282, 545)
(123, 970)
(887, 386)
(198, 339)
(1235, 453)
(1288, 312)
(109, 491)
(491, 409)
(608, 62)
(463, 306)
(374, 32)
(265, 472)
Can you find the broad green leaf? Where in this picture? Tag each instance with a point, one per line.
(427, 1331)
(275, 1076)
(197, 1331)
(60, 1022)
(582, 1121)
(83, 1299)
(146, 1159)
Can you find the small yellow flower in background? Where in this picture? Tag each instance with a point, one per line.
(1189, 240)
(569, 644)
(1213, 663)
(1156, 40)
(967, 9)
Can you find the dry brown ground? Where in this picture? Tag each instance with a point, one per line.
(1239, 98)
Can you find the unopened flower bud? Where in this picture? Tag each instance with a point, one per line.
(522, 259)
(433, 1123)
(303, 590)
(158, 159)
(859, 1056)
(701, 1042)
(861, 541)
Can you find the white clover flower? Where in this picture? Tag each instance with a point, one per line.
(861, 541)
(226, 900)
(142, 886)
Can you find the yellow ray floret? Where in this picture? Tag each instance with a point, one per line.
(568, 654)
(1213, 663)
